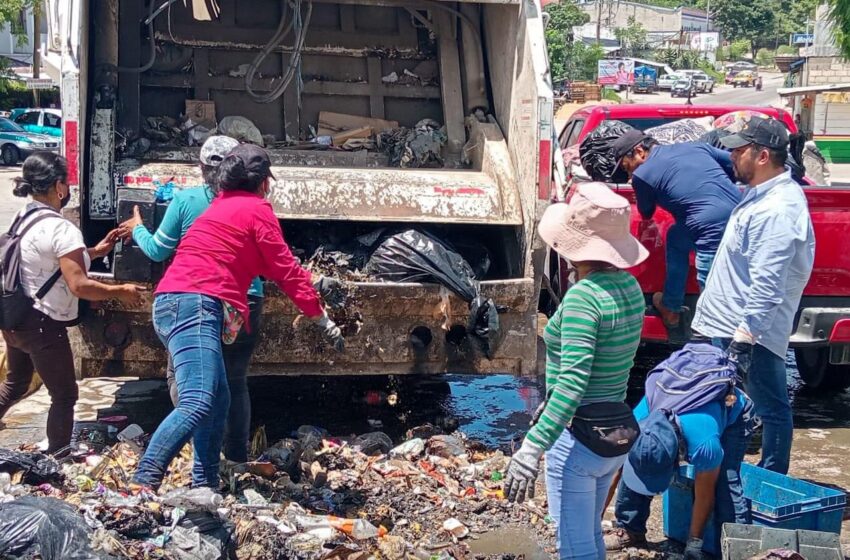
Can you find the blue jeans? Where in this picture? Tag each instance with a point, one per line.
(577, 483)
(632, 508)
(679, 245)
(190, 327)
(237, 358)
(767, 385)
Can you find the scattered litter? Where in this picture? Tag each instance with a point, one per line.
(316, 497)
(390, 78)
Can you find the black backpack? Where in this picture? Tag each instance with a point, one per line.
(14, 302)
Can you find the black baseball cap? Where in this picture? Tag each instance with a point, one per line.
(626, 143)
(766, 132)
(254, 158)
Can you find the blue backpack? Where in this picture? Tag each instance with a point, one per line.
(694, 376)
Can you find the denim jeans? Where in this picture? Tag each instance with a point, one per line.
(767, 385)
(190, 327)
(237, 358)
(577, 483)
(632, 508)
(679, 245)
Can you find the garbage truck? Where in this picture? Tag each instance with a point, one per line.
(380, 116)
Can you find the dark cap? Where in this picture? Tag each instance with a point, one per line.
(254, 158)
(769, 133)
(653, 458)
(626, 143)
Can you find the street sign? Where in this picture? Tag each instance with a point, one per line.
(40, 83)
(803, 38)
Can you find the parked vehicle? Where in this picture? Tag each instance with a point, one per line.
(325, 197)
(821, 340)
(16, 143)
(703, 82)
(668, 80)
(40, 121)
(683, 88)
(744, 78)
(645, 79)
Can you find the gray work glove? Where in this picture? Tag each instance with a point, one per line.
(522, 472)
(331, 290)
(693, 550)
(331, 332)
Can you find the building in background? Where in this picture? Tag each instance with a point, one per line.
(16, 40)
(819, 92)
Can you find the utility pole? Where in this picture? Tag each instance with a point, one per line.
(36, 46)
(598, 20)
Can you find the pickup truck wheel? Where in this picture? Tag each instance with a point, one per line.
(816, 371)
(9, 155)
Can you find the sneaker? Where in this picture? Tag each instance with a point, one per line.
(619, 539)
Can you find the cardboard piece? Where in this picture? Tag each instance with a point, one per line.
(201, 112)
(331, 124)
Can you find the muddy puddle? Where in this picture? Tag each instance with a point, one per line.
(508, 540)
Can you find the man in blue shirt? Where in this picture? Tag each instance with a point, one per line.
(754, 288)
(695, 183)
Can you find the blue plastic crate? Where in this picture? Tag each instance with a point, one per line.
(784, 502)
(774, 500)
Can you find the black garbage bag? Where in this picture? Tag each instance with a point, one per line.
(373, 443)
(46, 528)
(202, 536)
(712, 137)
(415, 256)
(597, 155)
(37, 468)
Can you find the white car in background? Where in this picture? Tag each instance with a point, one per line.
(703, 83)
(668, 80)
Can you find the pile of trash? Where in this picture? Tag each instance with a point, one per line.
(311, 496)
(420, 146)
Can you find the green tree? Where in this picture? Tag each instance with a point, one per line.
(840, 14)
(632, 38)
(559, 33)
(765, 57)
(751, 20)
(787, 49)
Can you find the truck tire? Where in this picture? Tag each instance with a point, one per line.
(816, 371)
(9, 155)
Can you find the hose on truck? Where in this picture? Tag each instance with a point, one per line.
(152, 15)
(300, 24)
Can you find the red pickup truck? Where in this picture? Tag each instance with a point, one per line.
(821, 340)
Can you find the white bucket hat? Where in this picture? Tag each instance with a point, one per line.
(593, 226)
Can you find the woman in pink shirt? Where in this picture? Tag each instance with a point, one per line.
(202, 300)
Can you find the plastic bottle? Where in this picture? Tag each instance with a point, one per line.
(193, 499)
(359, 529)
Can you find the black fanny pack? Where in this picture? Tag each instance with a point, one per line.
(608, 429)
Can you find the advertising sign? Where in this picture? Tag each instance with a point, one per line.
(616, 72)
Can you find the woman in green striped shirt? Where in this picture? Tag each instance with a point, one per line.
(590, 347)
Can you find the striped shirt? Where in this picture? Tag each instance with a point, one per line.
(590, 349)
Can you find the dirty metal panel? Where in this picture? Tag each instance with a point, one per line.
(121, 338)
(101, 192)
(402, 195)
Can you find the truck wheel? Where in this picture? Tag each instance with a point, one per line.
(9, 155)
(816, 371)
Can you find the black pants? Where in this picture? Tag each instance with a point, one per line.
(237, 357)
(41, 344)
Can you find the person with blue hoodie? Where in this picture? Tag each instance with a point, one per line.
(711, 437)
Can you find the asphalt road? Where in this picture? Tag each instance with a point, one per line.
(725, 95)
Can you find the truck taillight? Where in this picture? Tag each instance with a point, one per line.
(544, 176)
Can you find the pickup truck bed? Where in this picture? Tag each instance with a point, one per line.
(821, 340)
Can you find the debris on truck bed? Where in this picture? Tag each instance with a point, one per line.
(420, 146)
(311, 496)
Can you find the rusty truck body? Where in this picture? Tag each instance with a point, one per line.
(125, 66)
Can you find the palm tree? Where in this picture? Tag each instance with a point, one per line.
(841, 18)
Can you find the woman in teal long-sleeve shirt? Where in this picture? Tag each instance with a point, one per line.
(159, 246)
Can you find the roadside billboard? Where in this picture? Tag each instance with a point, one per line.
(616, 72)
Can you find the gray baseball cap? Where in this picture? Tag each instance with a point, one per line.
(216, 148)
